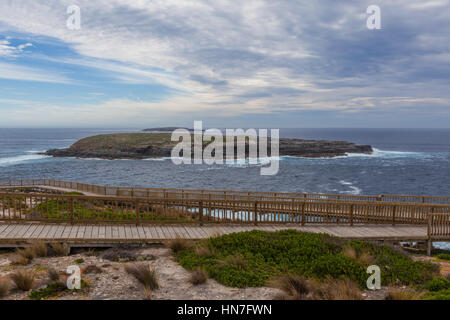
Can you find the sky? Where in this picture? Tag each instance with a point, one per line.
(253, 63)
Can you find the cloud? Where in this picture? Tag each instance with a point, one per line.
(258, 57)
(15, 72)
(8, 50)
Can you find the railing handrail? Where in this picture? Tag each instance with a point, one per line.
(279, 195)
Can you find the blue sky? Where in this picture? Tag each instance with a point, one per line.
(141, 63)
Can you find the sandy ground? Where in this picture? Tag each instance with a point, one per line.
(114, 283)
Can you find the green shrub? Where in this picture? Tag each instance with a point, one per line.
(269, 254)
(444, 256)
(51, 290)
(439, 295)
(438, 284)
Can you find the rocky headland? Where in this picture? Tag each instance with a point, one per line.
(154, 145)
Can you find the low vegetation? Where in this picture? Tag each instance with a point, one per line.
(60, 249)
(23, 279)
(5, 285)
(144, 274)
(253, 258)
(51, 290)
(402, 294)
(198, 276)
(179, 244)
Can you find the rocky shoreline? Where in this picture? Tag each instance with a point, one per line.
(156, 145)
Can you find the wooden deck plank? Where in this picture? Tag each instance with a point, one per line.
(142, 233)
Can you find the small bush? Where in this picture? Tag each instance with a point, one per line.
(21, 260)
(144, 274)
(337, 289)
(4, 287)
(294, 287)
(23, 279)
(198, 276)
(203, 251)
(52, 274)
(444, 256)
(179, 244)
(39, 248)
(51, 290)
(92, 268)
(60, 249)
(350, 252)
(235, 260)
(438, 284)
(399, 294)
(26, 253)
(439, 295)
(79, 261)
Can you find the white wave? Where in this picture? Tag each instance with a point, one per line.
(353, 189)
(35, 151)
(377, 153)
(19, 159)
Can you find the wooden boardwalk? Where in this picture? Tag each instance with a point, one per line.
(13, 234)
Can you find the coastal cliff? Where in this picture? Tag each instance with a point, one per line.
(154, 145)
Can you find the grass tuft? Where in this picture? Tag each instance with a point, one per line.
(198, 276)
(52, 274)
(400, 294)
(337, 289)
(60, 249)
(39, 248)
(179, 244)
(5, 285)
(294, 287)
(144, 274)
(23, 279)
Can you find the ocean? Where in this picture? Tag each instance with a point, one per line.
(405, 161)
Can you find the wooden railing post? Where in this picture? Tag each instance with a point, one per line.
(429, 233)
(72, 210)
(255, 215)
(394, 211)
(303, 213)
(351, 214)
(138, 210)
(200, 212)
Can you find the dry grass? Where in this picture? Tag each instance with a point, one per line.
(148, 294)
(144, 274)
(23, 279)
(5, 285)
(204, 251)
(364, 258)
(336, 289)
(53, 275)
(61, 249)
(92, 268)
(39, 248)
(294, 287)
(350, 252)
(236, 260)
(179, 244)
(21, 260)
(399, 294)
(26, 253)
(198, 276)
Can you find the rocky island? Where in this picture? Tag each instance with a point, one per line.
(155, 145)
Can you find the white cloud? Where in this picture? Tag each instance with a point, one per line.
(15, 72)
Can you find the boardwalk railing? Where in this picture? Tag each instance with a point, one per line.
(439, 226)
(185, 194)
(94, 209)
